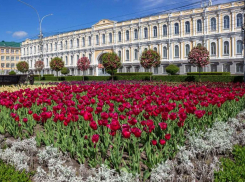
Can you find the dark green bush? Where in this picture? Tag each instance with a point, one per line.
(131, 74)
(232, 169)
(44, 75)
(8, 173)
(12, 73)
(209, 73)
(172, 69)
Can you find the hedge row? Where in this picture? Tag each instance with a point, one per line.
(209, 73)
(131, 74)
(44, 75)
(173, 78)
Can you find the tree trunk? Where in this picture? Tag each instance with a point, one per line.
(199, 73)
(112, 76)
(57, 75)
(83, 75)
(39, 75)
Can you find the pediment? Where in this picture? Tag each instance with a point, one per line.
(104, 22)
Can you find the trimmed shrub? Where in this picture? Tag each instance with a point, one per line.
(209, 73)
(65, 71)
(22, 66)
(172, 69)
(12, 73)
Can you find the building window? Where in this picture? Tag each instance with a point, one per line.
(239, 68)
(127, 55)
(110, 37)
(65, 44)
(176, 51)
(83, 55)
(155, 31)
(83, 42)
(7, 51)
(89, 41)
(145, 33)
(155, 49)
(77, 57)
(2, 65)
(51, 47)
(135, 34)
(187, 50)
(213, 68)
(213, 49)
(239, 20)
(71, 60)
(47, 62)
(12, 51)
(199, 44)
(77, 43)
(103, 38)
(239, 47)
(199, 25)
(135, 54)
(17, 58)
(2, 58)
(34, 49)
(226, 67)
(155, 70)
(176, 28)
(61, 45)
(71, 42)
(97, 39)
(187, 68)
(2, 50)
(145, 49)
(187, 27)
(164, 30)
(127, 35)
(17, 51)
(120, 54)
(120, 70)
(90, 58)
(226, 22)
(164, 69)
(12, 58)
(137, 69)
(7, 65)
(119, 36)
(213, 24)
(128, 69)
(226, 48)
(7, 58)
(164, 52)
(66, 60)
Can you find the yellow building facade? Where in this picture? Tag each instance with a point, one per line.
(10, 55)
(172, 35)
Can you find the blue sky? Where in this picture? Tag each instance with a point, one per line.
(19, 21)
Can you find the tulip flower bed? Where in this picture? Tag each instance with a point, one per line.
(127, 126)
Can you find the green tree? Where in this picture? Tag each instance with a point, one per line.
(65, 71)
(111, 63)
(172, 69)
(22, 66)
(56, 64)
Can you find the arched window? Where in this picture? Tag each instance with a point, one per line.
(213, 24)
(66, 44)
(239, 47)
(77, 43)
(239, 20)
(46, 48)
(187, 27)
(164, 52)
(176, 51)
(226, 48)
(226, 21)
(127, 55)
(155, 49)
(164, 30)
(119, 54)
(239, 68)
(61, 45)
(97, 39)
(66, 60)
(51, 47)
(83, 55)
(199, 25)
(89, 41)
(127, 35)
(187, 49)
(119, 36)
(135, 54)
(103, 39)
(135, 34)
(77, 57)
(83, 42)
(213, 48)
(47, 62)
(71, 60)
(110, 37)
(145, 33)
(56, 46)
(176, 28)
(155, 31)
(34, 49)
(90, 58)
(71, 42)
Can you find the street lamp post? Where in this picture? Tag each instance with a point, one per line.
(40, 28)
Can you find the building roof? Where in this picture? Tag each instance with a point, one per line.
(10, 44)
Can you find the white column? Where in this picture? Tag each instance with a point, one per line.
(193, 26)
(159, 34)
(219, 47)
(232, 21)
(170, 51)
(150, 34)
(219, 22)
(233, 46)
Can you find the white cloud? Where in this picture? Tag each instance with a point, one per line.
(20, 34)
(8, 32)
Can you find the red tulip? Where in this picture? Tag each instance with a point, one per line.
(167, 136)
(162, 142)
(95, 138)
(154, 142)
